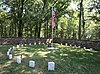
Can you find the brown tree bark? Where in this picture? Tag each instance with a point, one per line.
(80, 20)
(20, 14)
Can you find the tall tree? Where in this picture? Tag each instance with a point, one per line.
(80, 20)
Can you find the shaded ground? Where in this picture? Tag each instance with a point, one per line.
(83, 43)
(68, 60)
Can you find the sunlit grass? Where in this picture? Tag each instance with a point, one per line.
(68, 60)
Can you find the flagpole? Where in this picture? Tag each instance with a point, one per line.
(53, 25)
(52, 29)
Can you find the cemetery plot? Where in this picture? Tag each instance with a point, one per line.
(35, 59)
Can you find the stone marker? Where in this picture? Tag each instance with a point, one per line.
(30, 44)
(43, 43)
(34, 43)
(7, 53)
(21, 45)
(51, 65)
(75, 46)
(10, 56)
(70, 45)
(9, 49)
(32, 64)
(91, 49)
(25, 44)
(17, 46)
(39, 42)
(66, 44)
(19, 59)
(84, 48)
(61, 44)
(13, 47)
(79, 47)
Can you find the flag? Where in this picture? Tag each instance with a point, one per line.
(53, 17)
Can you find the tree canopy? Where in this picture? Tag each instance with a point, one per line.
(75, 19)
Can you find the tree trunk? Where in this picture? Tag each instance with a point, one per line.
(1, 30)
(5, 32)
(47, 29)
(21, 24)
(80, 20)
(39, 30)
(15, 30)
(36, 30)
(30, 30)
(83, 22)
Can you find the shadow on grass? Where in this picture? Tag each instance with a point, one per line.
(67, 60)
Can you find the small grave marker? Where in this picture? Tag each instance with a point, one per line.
(19, 60)
(66, 44)
(61, 44)
(34, 43)
(70, 45)
(91, 49)
(75, 46)
(10, 56)
(39, 42)
(43, 43)
(32, 64)
(21, 45)
(51, 66)
(84, 48)
(17, 46)
(25, 44)
(30, 44)
(7, 53)
(79, 47)
(9, 49)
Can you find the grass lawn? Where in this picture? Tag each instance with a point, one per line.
(68, 60)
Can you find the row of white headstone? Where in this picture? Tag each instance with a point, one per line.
(79, 47)
(39, 43)
(51, 65)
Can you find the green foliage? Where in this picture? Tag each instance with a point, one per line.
(67, 59)
(32, 18)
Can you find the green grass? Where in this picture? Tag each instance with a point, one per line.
(68, 60)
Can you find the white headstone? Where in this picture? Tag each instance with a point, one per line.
(25, 44)
(75, 46)
(7, 53)
(9, 49)
(79, 47)
(51, 66)
(10, 56)
(39, 42)
(17, 46)
(32, 64)
(84, 48)
(19, 59)
(61, 44)
(66, 44)
(30, 44)
(43, 43)
(91, 49)
(34, 43)
(21, 45)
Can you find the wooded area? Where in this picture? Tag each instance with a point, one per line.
(75, 19)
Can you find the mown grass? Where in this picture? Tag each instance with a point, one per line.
(68, 60)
